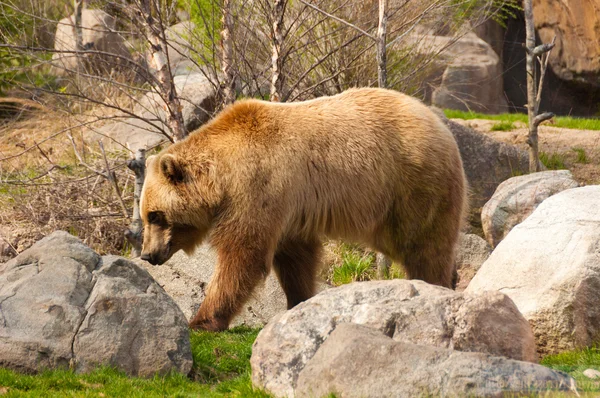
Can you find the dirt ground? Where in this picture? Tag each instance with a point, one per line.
(553, 140)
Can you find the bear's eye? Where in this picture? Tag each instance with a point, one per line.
(155, 217)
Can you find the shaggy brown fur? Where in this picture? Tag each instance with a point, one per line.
(264, 182)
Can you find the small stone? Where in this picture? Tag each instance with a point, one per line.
(591, 374)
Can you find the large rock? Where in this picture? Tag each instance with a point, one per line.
(62, 305)
(357, 361)
(185, 278)
(516, 198)
(487, 162)
(472, 81)
(471, 253)
(198, 101)
(98, 34)
(466, 72)
(576, 25)
(407, 311)
(549, 265)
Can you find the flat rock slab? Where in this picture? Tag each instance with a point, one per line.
(549, 265)
(64, 306)
(358, 361)
(407, 311)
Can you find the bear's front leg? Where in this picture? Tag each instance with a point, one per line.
(239, 270)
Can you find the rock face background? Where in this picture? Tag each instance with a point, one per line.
(572, 83)
(64, 306)
(576, 24)
(549, 265)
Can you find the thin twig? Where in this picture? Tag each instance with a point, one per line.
(338, 19)
(113, 181)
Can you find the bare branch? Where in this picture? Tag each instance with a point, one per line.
(113, 181)
(542, 118)
(339, 20)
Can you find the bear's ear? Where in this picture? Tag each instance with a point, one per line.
(172, 168)
(149, 160)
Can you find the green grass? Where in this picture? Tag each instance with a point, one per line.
(574, 363)
(559, 121)
(221, 369)
(359, 265)
(581, 155)
(503, 125)
(356, 266)
(553, 161)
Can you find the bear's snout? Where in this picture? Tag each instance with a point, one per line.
(152, 258)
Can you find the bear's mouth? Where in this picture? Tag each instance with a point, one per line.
(158, 258)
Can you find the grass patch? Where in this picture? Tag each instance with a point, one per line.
(356, 266)
(581, 155)
(553, 161)
(503, 125)
(567, 122)
(575, 363)
(221, 368)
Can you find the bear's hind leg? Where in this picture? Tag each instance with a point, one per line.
(296, 262)
(432, 262)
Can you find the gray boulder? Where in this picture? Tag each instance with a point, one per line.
(549, 265)
(487, 162)
(466, 72)
(198, 101)
(99, 34)
(471, 253)
(185, 279)
(62, 305)
(407, 311)
(516, 198)
(357, 361)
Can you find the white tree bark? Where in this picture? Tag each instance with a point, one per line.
(533, 91)
(381, 45)
(158, 47)
(277, 44)
(134, 233)
(227, 53)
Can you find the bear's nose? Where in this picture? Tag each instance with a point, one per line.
(146, 257)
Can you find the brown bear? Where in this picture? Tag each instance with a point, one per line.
(264, 182)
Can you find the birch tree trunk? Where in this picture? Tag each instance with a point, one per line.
(277, 44)
(158, 44)
(533, 89)
(77, 29)
(381, 45)
(227, 53)
(134, 233)
(532, 140)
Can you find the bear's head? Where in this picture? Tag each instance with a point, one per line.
(176, 205)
